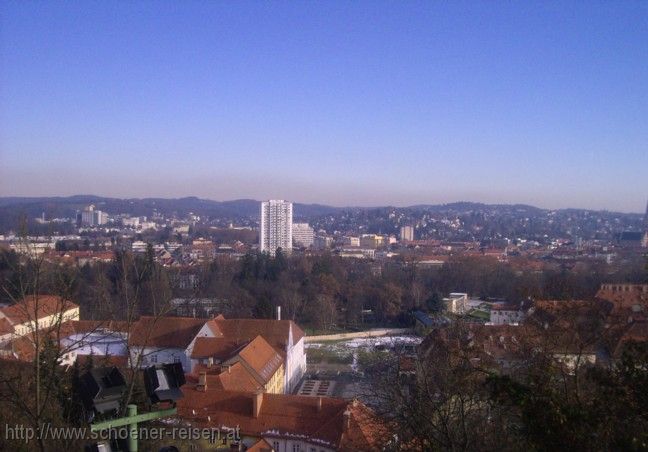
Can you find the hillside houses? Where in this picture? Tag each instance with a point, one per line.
(269, 352)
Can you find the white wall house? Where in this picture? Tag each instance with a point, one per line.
(42, 312)
(509, 313)
(160, 355)
(172, 339)
(295, 359)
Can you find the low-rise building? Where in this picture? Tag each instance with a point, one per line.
(285, 422)
(371, 241)
(502, 313)
(358, 253)
(322, 242)
(35, 311)
(218, 341)
(455, 303)
(350, 241)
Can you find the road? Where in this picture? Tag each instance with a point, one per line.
(378, 332)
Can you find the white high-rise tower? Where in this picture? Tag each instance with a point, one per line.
(276, 226)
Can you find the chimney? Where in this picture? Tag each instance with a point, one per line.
(319, 404)
(346, 416)
(229, 369)
(202, 381)
(278, 312)
(257, 401)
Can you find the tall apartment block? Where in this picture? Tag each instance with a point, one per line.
(93, 217)
(406, 233)
(276, 226)
(303, 234)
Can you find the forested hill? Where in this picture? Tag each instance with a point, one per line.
(459, 221)
(13, 208)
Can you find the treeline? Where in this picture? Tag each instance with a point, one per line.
(461, 398)
(318, 291)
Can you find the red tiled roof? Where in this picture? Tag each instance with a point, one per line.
(260, 446)
(366, 431)
(36, 306)
(315, 419)
(283, 413)
(23, 348)
(220, 348)
(230, 378)
(165, 332)
(88, 326)
(624, 295)
(636, 332)
(105, 360)
(5, 327)
(262, 358)
(275, 332)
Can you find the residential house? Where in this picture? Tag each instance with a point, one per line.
(156, 340)
(253, 365)
(35, 311)
(287, 423)
(197, 341)
(503, 313)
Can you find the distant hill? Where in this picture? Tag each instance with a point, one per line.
(13, 208)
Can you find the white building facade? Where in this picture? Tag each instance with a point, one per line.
(90, 216)
(406, 233)
(303, 235)
(276, 226)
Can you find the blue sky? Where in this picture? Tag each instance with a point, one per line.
(344, 103)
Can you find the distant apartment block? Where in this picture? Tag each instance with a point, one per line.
(276, 226)
(456, 302)
(303, 235)
(351, 241)
(407, 233)
(129, 222)
(322, 242)
(93, 217)
(371, 241)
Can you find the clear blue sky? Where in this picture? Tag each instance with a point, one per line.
(345, 103)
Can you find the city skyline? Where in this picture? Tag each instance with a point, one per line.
(260, 199)
(348, 105)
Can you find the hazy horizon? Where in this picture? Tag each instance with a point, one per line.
(341, 206)
(344, 104)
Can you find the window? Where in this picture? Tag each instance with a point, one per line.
(275, 446)
(296, 447)
(153, 358)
